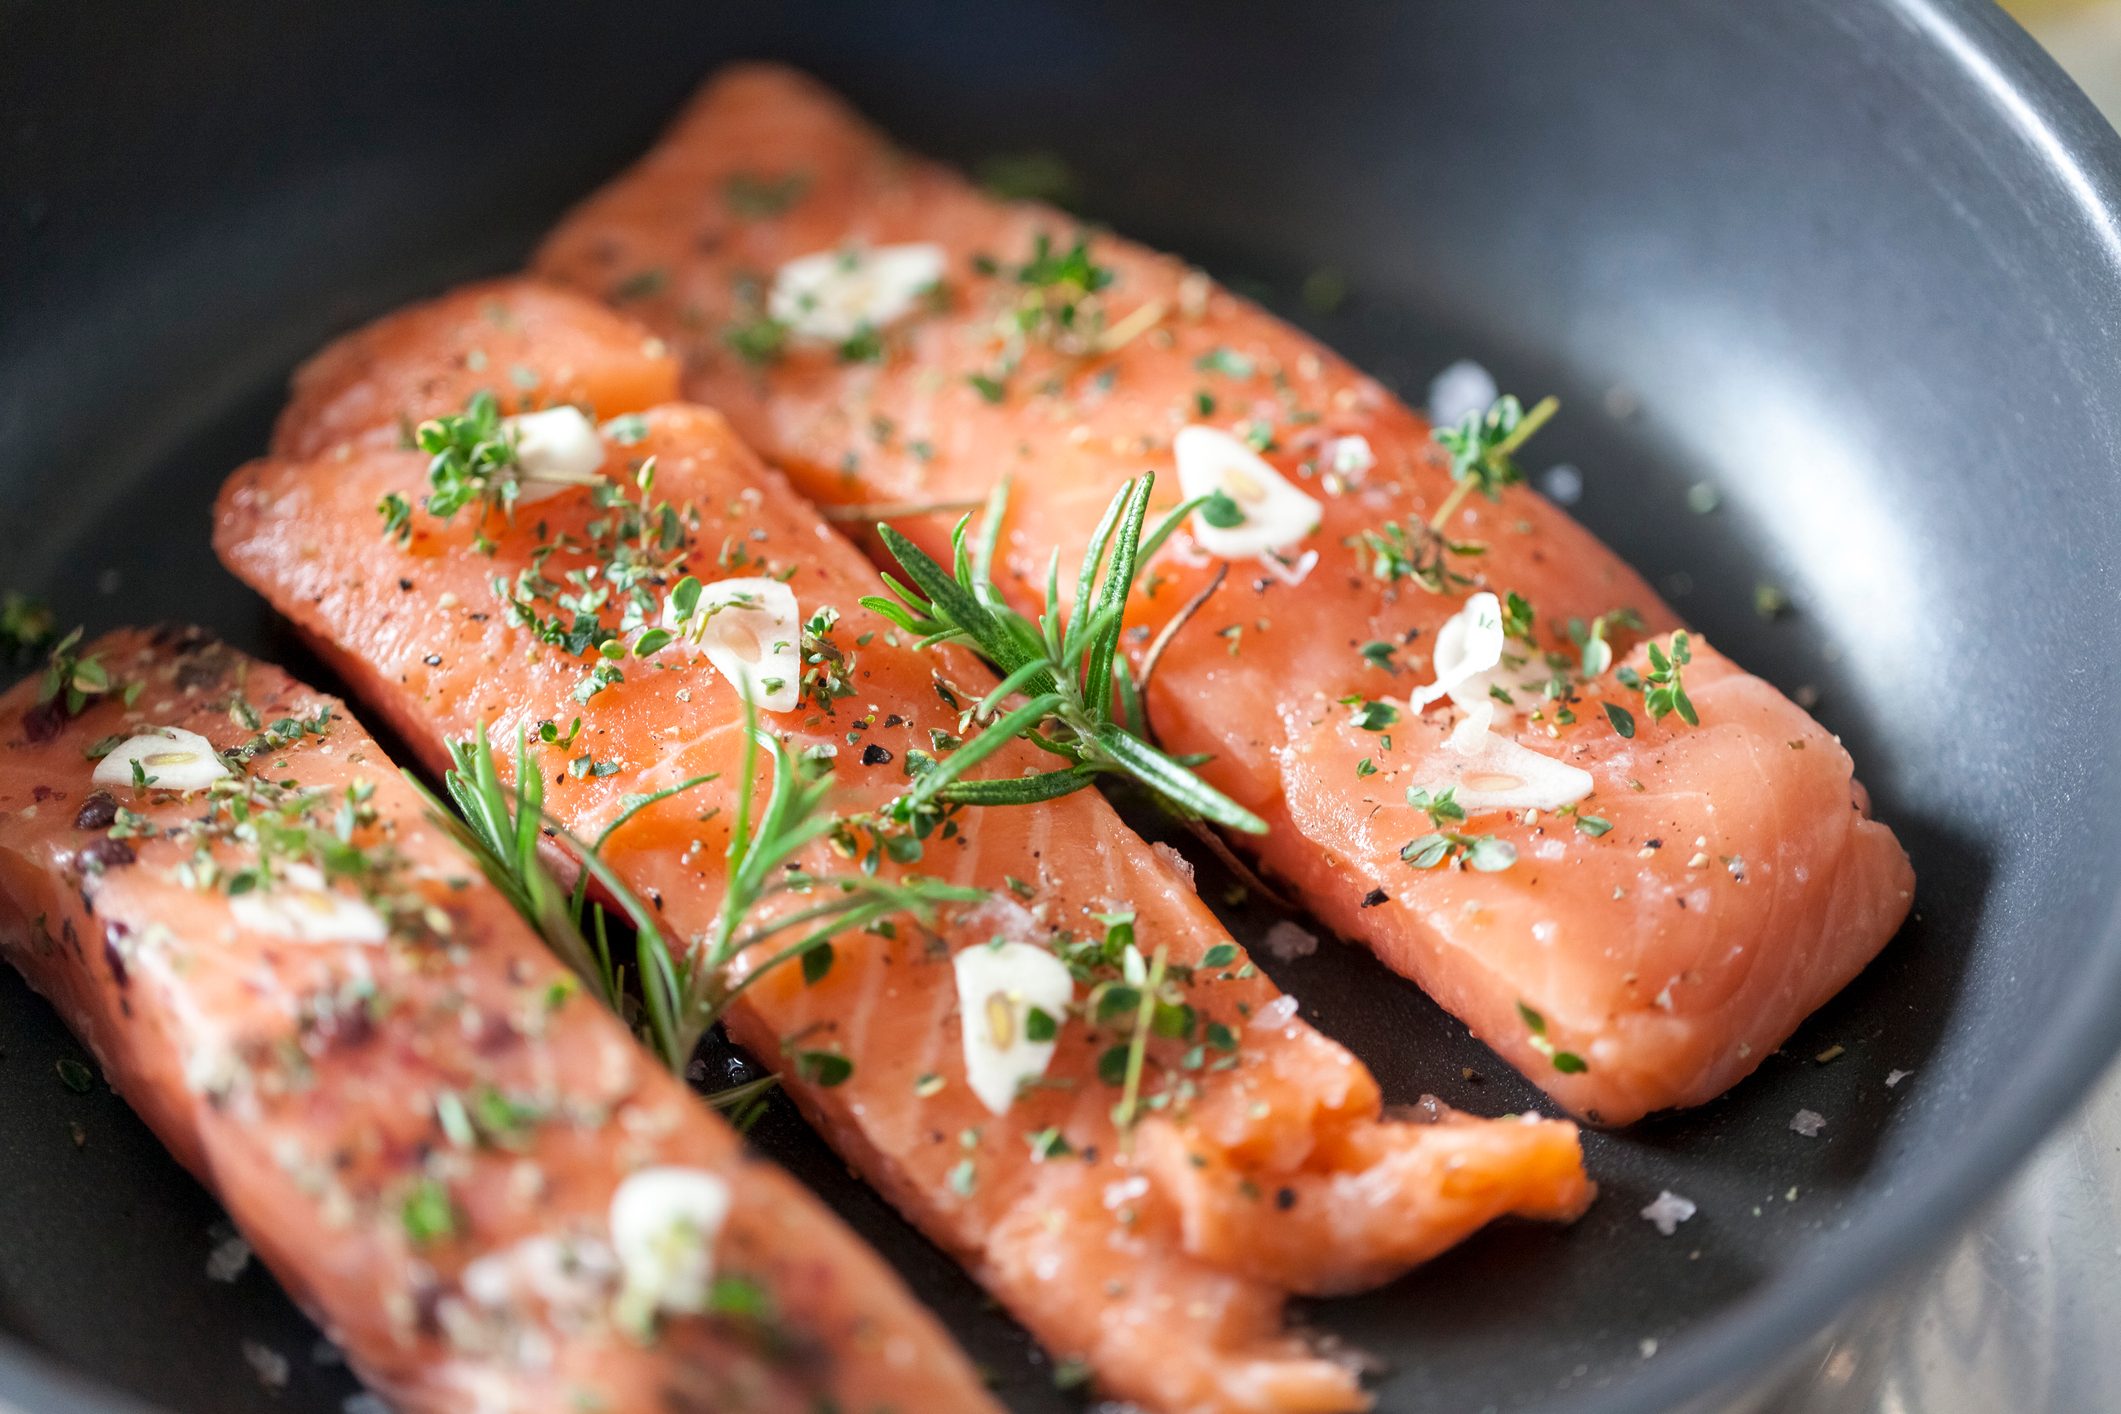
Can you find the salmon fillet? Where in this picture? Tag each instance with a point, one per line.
(1742, 881)
(528, 346)
(423, 1126)
(1157, 1256)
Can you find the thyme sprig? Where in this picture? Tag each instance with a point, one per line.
(73, 678)
(1483, 448)
(1663, 691)
(1079, 702)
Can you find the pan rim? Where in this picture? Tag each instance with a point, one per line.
(2015, 89)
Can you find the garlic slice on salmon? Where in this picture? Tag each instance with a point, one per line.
(664, 1223)
(170, 758)
(1276, 514)
(750, 629)
(1489, 772)
(1349, 456)
(999, 987)
(1468, 643)
(556, 449)
(304, 906)
(830, 296)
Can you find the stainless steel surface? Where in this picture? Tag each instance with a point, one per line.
(2022, 1313)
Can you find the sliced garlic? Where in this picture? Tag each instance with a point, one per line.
(998, 984)
(1349, 456)
(751, 630)
(1476, 665)
(1276, 513)
(301, 904)
(1489, 772)
(1468, 644)
(171, 758)
(664, 1224)
(556, 449)
(830, 296)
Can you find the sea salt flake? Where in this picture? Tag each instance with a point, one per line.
(228, 1259)
(1286, 940)
(1808, 1123)
(1894, 1077)
(1669, 1211)
(268, 1364)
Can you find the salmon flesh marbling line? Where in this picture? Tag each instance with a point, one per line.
(1261, 1170)
(413, 1114)
(1742, 883)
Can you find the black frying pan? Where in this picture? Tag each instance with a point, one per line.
(1853, 262)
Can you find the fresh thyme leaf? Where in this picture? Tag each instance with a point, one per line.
(1221, 510)
(826, 1068)
(1227, 362)
(1484, 853)
(73, 680)
(759, 341)
(1567, 1062)
(1371, 715)
(1441, 808)
(1622, 719)
(640, 285)
(428, 1213)
(755, 198)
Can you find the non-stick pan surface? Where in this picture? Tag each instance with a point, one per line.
(1852, 263)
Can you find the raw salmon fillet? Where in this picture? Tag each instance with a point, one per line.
(1742, 882)
(409, 1108)
(1158, 1259)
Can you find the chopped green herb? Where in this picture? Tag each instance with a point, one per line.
(825, 1068)
(428, 1213)
(1227, 362)
(1567, 1062)
(756, 198)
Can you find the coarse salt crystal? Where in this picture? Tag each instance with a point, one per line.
(1669, 1211)
(1287, 940)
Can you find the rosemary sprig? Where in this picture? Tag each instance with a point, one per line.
(680, 998)
(1483, 451)
(1077, 699)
